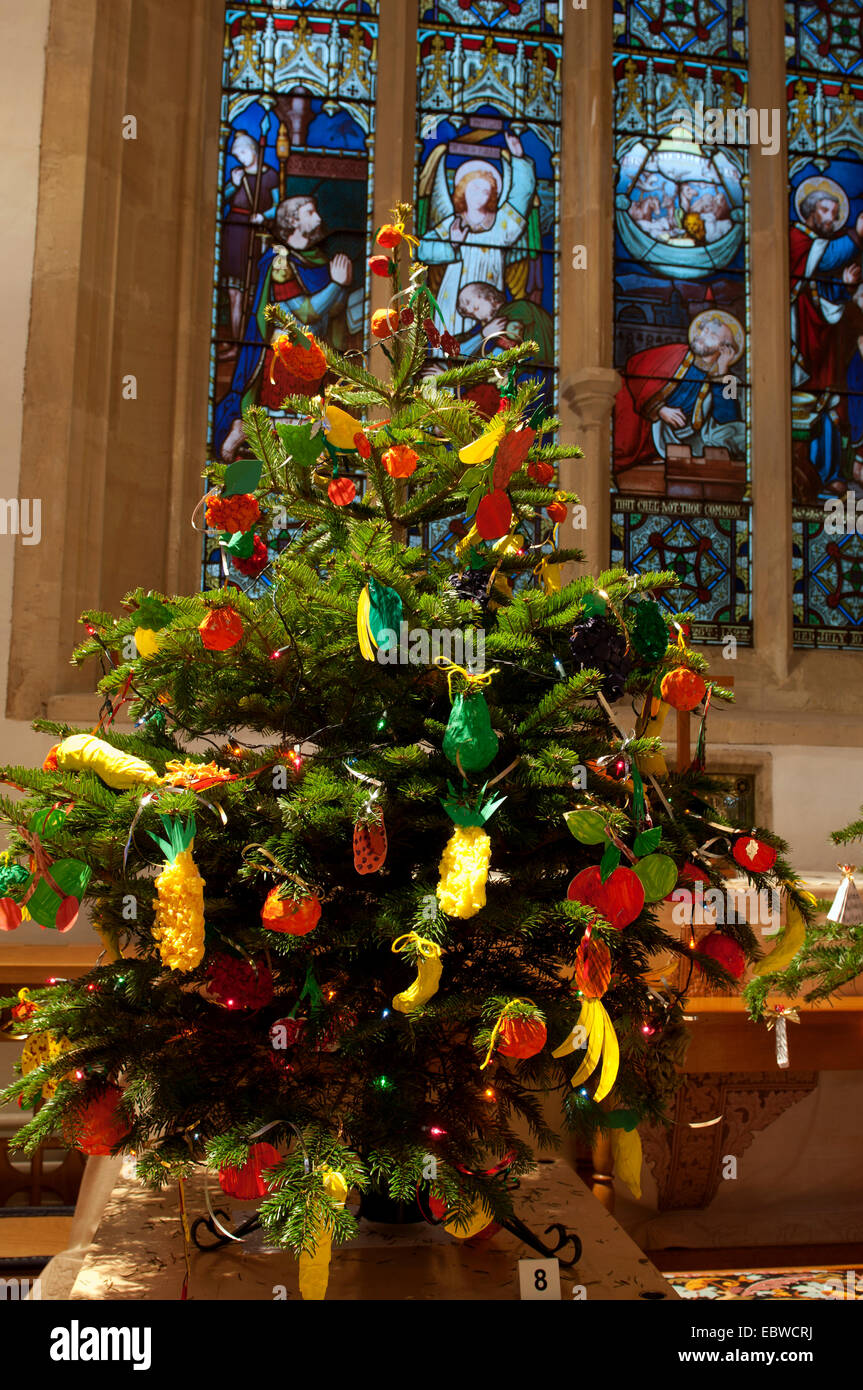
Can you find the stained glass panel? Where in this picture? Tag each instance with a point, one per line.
(825, 167)
(681, 306)
(487, 180)
(298, 95)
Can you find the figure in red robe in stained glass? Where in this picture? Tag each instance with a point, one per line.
(677, 393)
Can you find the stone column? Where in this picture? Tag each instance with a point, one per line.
(588, 382)
(769, 350)
(395, 120)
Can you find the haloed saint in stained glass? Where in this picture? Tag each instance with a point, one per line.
(681, 417)
(488, 169)
(487, 191)
(298, 122)
(825, 163)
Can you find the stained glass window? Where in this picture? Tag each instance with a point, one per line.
(824, 50)
(681, 479)
(488, 168)
(298, 93)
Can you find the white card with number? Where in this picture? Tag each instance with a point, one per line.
(539, 1279)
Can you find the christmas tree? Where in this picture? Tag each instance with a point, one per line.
(377, 866)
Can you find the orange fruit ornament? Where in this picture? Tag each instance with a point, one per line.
(221, 629)
(400, 461)
(384, 323)
(683, 689)
(342, 491)
(521, 1037)
(288, 915)
(303, 365)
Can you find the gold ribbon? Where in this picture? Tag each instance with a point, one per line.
(475, 680)
(420, 944)
(778, 1012)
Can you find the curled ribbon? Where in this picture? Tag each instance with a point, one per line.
(421, 944)
(475, 680)
(501, 1020)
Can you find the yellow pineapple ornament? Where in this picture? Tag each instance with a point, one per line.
(429, 967)
(179, 925)
(466, 857)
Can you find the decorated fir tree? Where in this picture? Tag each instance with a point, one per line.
(377, 864)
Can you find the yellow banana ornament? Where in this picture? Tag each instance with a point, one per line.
(315, 1269)
(429, 968)
(788, 945)
(594, 1031)
(481, 450)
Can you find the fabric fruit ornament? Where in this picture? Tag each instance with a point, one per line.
(791, 941)
(24, 1009)
(541, 472)
(400, 461)
(315, 1268)
(99, 1123)
(485, 396)
(302, 365)
(476, 1221)
(296, 917)
(592, 966)
(232, 514)
(382, 266)
(178, 929)
(519, 1032)
(240, 984)
(427, 956)
(151, 617)
(649, 634)
(390, 235)
(221, 629)
(248, 1182)
(341, 491)
(39, 1049)
(470, 742)
(466, 857)
(620, 898)
(55, 893)
(481, 450)
(494, 515)
(682, 689)
(658, 875)
(597, 644)
(370, 845)
(472, 586)
(255, 563)
(84, 753)
(511, 454)
(754, 854)
(556, 512)
(340, 428)
(725, 952)
(384, 323)
(594, 1032)
(379, 616)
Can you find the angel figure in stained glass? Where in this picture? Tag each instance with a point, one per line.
(473, 232)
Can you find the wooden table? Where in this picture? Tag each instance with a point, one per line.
(137, 1254)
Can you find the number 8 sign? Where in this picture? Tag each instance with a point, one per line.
(539, 1279)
